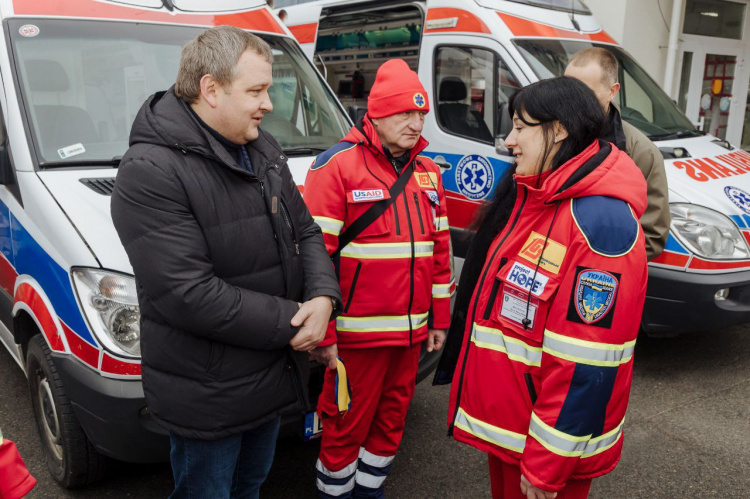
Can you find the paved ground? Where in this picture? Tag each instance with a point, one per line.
(688, 435)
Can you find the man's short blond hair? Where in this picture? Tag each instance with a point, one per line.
(602, 58)
(215, 52)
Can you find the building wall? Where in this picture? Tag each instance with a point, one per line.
(640, 28)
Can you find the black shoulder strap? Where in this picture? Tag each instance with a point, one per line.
(372, 214)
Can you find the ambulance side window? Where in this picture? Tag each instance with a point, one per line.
(468, 80)
(465, 80)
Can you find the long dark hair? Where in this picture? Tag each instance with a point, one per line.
(565, 100)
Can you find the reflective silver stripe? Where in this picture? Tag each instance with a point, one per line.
(373, 460)
(493, 434)
(602, 443)
(567, 445)
(370, 481)
(329, 225)
(388, 250)
(587, 352)
(342, 473)
(335, 490)
(494, 339)
(441, 290)
(382, 323)
(555, 440)
(441, 223)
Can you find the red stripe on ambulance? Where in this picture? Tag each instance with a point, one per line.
(525, 27)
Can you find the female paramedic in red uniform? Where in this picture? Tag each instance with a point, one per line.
(541, 345)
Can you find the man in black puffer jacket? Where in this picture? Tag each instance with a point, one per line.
(234, 282)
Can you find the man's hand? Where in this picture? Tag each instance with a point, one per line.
(313, 317)
(326, 355)
(532, 492)
(435, 339)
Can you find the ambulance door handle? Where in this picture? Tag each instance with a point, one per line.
(325, 69)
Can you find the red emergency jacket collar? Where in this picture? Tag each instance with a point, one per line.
(364, 133)
(597, 171)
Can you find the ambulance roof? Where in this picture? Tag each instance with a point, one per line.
(247, 14)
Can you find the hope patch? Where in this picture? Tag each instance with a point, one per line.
(523, 277)
(475, 177)
(740, 198)
(594, 296)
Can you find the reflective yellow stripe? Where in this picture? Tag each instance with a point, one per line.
(329, 225)
(387, 250)
(587, 352)
(441, 223)
(380, 323)
(441, 290)
(566, 445)
(515, 349)
(489, 433)
(602, 443)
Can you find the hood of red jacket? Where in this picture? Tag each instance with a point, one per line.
(599, 170)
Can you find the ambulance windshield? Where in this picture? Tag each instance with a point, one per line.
(642, 102)
(83, 82)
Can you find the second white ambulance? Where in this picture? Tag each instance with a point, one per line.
(471, 55)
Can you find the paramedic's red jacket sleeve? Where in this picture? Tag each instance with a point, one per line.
(587, 363)
(329, 212)
(444, 284)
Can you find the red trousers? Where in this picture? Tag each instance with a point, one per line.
(15, 479)
(358, 447)
(505, 480)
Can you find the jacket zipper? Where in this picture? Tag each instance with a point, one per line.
(419, 212)
(474, 310)
(411, 269)
(351, 289)
(395, 213)
(493, 293)
(288, 220)
(530, 387)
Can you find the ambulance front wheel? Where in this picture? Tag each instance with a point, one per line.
(71, 458)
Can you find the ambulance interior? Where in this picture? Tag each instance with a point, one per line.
(354, 41)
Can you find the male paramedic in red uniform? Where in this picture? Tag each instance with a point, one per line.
(395, 277)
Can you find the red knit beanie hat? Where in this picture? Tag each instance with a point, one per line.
(397, 89)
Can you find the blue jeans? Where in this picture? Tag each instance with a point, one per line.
(234, 466)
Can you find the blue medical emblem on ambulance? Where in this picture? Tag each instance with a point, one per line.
(594, 294)
(740, 198)
(474, 177)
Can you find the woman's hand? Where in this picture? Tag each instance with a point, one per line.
(532, 492)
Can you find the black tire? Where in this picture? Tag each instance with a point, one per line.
(71, 458)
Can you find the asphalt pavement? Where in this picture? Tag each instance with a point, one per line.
(687, 435)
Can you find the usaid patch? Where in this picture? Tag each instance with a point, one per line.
(366, 195)
(523, 277)
(433, 195)
(594, 296)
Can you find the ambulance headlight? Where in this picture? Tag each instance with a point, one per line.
(110, 304)
(707, 233)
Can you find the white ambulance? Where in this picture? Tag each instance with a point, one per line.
(73, 74)
(471, 55)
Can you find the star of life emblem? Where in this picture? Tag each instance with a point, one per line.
(475, 177)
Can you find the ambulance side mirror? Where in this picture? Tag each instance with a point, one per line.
(500, 147)
(7, 175)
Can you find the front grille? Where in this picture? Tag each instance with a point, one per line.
(103, 186)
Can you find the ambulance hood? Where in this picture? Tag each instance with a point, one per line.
(84, 196)
(712, 175)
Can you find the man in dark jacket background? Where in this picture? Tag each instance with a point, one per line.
(234, 282)
(598, 68)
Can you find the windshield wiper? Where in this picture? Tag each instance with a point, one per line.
(115, 161)
(677, 135)
(304, 151)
